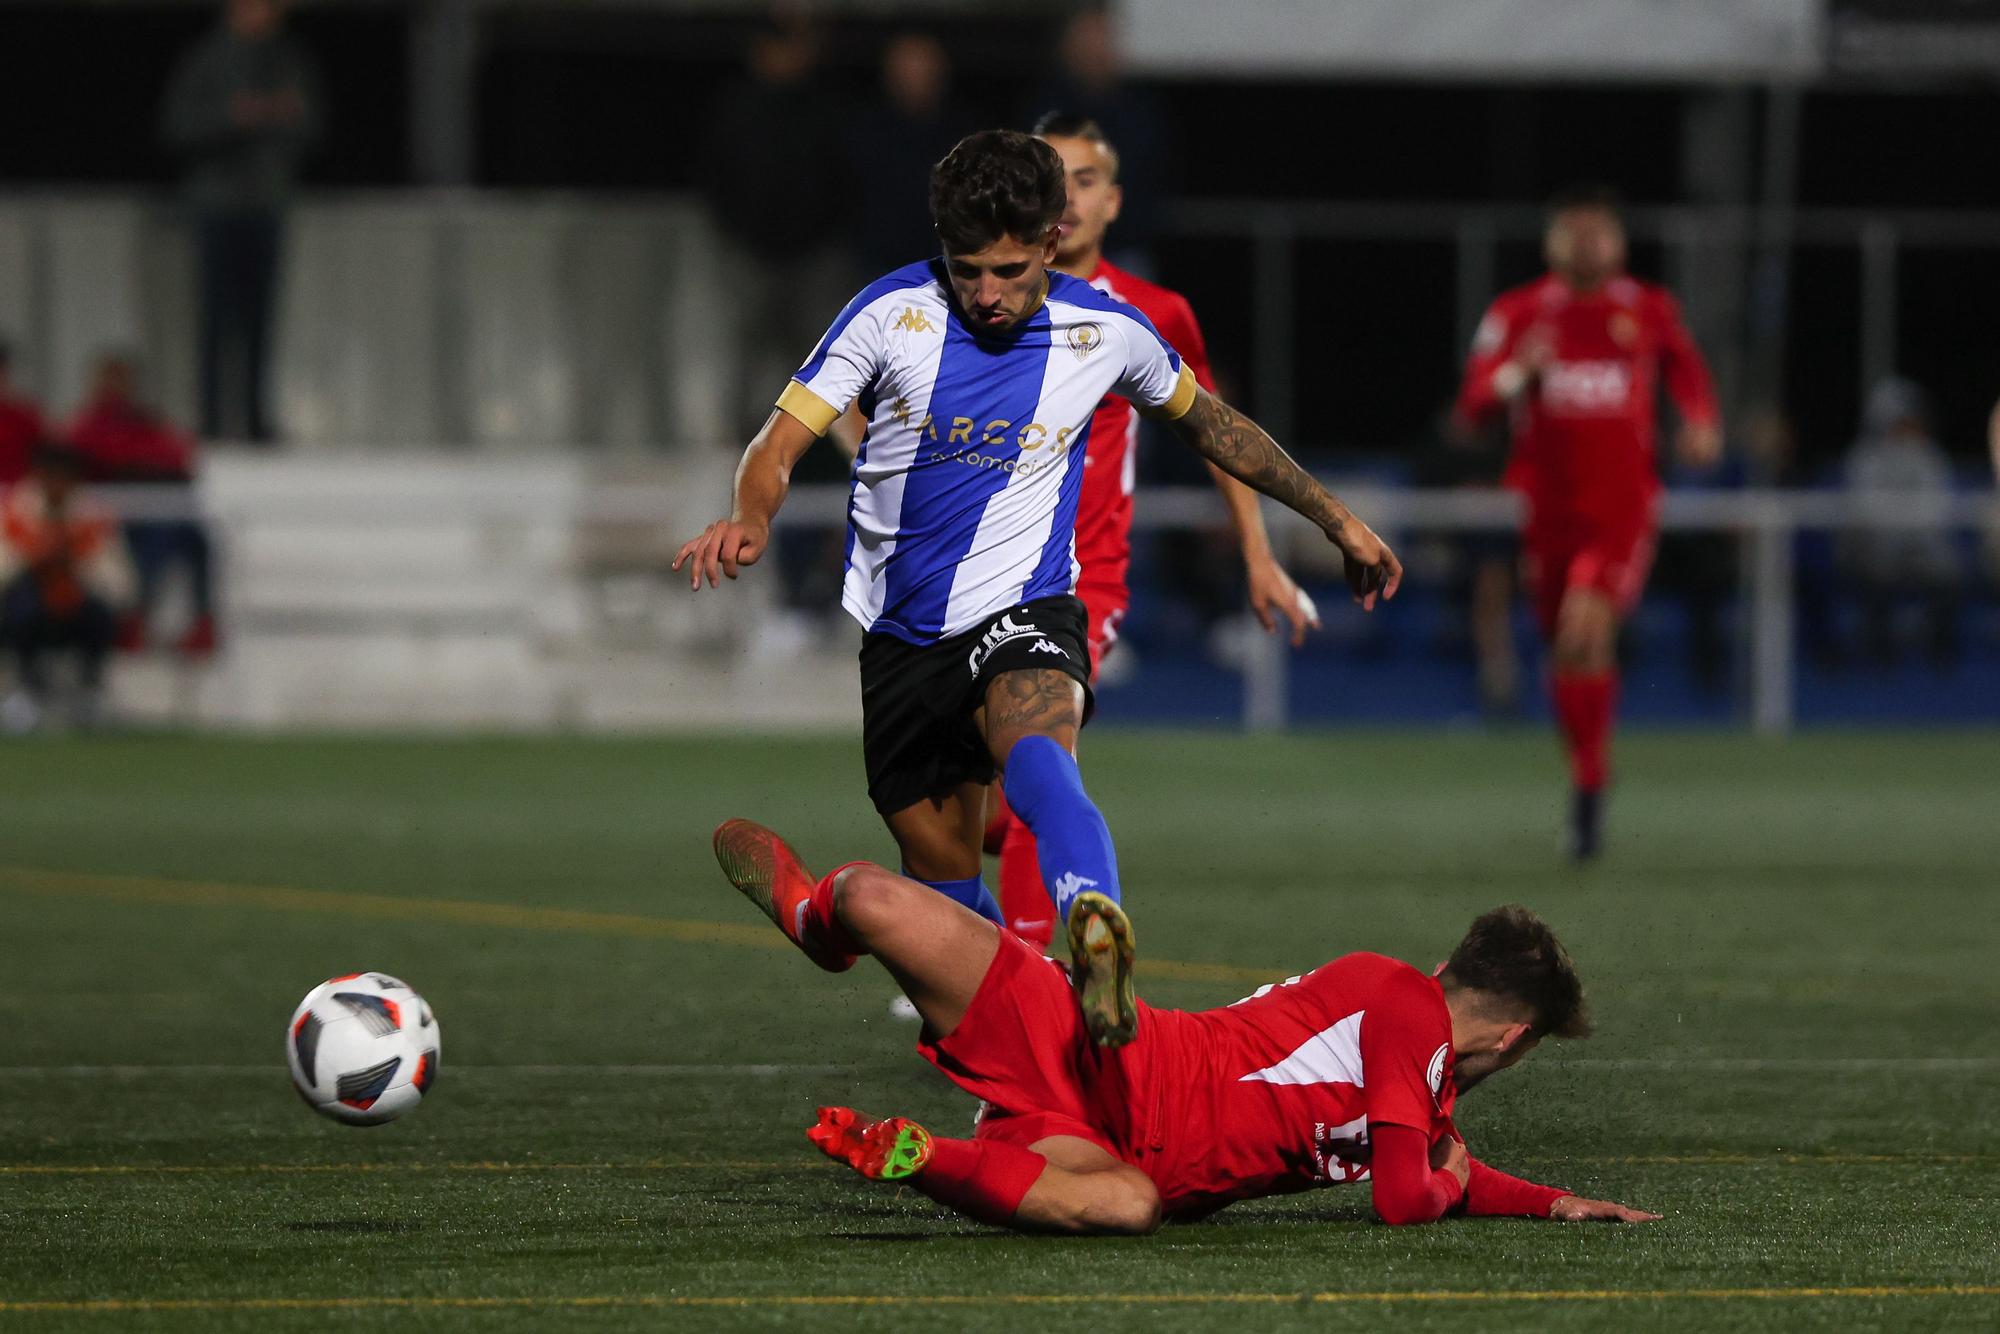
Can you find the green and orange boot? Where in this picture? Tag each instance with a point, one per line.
(879, 1150)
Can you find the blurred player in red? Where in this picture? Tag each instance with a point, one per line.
(1575, 359)
(1347, 1073)
(1111, 462)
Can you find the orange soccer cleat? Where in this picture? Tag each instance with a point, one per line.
(879, 1150)
(767, 871)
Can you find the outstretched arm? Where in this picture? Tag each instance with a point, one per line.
(1490, 1193)
(1242, 448)
(762, 479)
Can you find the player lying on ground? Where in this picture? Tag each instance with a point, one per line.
(979, 371)
(1346, 1073)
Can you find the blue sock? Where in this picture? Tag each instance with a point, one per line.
(1072, 841)
(971, 891)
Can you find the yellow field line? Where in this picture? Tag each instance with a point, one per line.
(806, 1161)
(469, 912)
(1414, 1297)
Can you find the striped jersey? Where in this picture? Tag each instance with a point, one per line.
(965, 489)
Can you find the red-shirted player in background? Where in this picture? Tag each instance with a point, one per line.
(1104, 510)
(1346, 1073)
(1575, 358)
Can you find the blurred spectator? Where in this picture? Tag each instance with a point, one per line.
(21, 426)
(1898, 471)
(774, 177)
(1089, 83)
(241, 110)
(62, 572)
(892, 147)
(120, 440)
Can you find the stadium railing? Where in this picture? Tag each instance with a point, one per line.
(503, 545)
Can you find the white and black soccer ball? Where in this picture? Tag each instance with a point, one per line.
(363, 1048)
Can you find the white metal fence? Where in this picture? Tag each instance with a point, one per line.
(461, 570)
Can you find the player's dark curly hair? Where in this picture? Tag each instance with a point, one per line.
(1512, 954)
(996, 183)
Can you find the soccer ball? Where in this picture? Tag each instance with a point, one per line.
(363, 1048)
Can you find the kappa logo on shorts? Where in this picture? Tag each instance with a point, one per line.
(1002, 630)
(1048, 646)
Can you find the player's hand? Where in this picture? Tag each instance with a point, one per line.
(724, 548)
(1372, 569)
(1273, 594)
(1576, 1209)
(1449, 1155)
(1701, 445)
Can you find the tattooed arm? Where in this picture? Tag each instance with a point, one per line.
(1241, 448)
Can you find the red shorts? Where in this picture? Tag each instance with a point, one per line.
(1612, 559)
(1107, 604)
(1023, 1049)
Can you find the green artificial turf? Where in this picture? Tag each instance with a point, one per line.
(1791, 949)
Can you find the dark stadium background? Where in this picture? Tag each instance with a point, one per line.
(608, 100)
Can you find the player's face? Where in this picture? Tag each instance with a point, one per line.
(1586, 246)
(1094, 197)
(1003, 284)
(1468, 1070)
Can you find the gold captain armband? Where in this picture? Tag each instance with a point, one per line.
(1179, 402)
(801, 402)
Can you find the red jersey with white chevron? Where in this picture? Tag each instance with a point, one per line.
(1276, 1093)
(1583, 436)
(1104, 513)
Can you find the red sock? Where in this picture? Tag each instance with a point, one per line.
(1585, 705)
(1024, 900)
(1002, 816)
(820, 918)
(981, 1178)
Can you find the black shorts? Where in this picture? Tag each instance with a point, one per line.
(917, 701)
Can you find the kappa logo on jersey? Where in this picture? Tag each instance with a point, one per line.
(1084, 339)
(914, 320)
(1047, 646)
(1070, 885)
(1003, 630)
(1434, 1075)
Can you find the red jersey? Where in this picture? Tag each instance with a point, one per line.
(1583, 435)
(1277, 1092)
(121, 442)
(1110, 460)
(21, 429)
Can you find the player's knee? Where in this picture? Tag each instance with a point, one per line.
(866, 899)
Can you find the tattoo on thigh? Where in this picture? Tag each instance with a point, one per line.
(1032, 701)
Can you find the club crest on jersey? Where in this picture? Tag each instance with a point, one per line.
(1084, 339)
(914, 320)
(1624, 329)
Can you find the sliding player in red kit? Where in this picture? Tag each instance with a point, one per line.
(1111, 463)
(1575, 359)
(1347, 1073)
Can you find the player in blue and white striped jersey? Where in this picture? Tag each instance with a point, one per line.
(978, 372)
